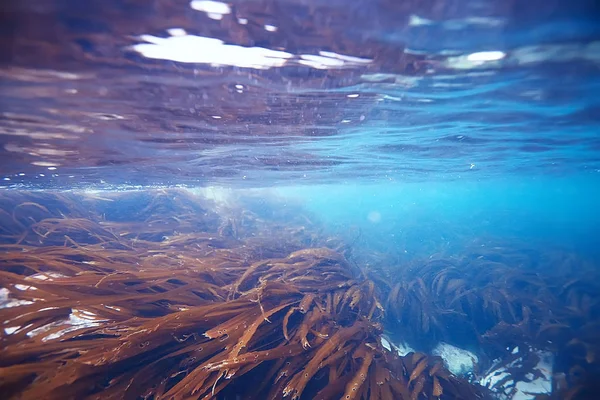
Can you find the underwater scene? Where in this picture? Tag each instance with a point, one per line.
(300, 199)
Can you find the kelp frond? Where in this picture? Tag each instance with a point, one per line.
(174, 302)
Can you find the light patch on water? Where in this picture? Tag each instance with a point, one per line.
(40, 75)
(186, 48)
(320, 62)
(527, 55)
(177, 32)
(51, 165)
(474, 22)
(557, 53)
(351, 59)
(456, 24)
(37, 151)
(213, 9)
(403, 81)
(204, 50)
(34, 134)
(106, 117)
(476, 60)
(415, 20)
(216, 17)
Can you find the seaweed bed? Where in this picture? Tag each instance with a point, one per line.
(167, 294)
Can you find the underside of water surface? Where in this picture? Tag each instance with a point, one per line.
(299, 199)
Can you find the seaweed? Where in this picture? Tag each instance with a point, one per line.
(178, 303)
(487, 301)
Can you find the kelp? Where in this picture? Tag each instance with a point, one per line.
(489, 301)
(201, 306)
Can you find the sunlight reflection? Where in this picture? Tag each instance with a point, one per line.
(486, 56)
(213, 9)
(186, 48)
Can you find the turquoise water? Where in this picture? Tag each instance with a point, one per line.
(537, 211)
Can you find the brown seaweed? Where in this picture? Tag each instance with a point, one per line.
(490, 300)
(184, 308)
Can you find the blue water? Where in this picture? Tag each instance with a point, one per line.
(407, 130)
(414, 145)
(539, 212)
